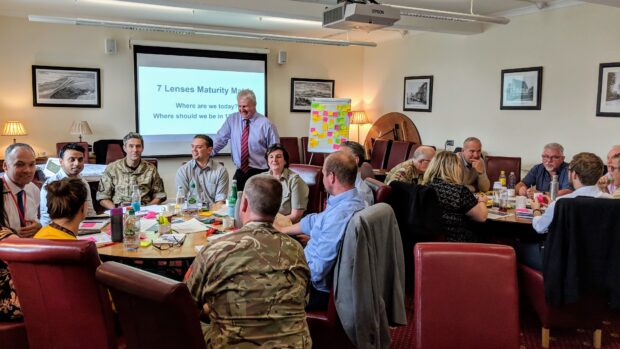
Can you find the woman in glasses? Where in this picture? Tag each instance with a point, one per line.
(294, 189)
(458, 203)
(67, 207)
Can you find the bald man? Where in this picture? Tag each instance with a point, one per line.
(412, 170)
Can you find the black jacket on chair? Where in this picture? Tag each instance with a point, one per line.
(581, 250)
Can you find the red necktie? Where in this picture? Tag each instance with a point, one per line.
(245, 151)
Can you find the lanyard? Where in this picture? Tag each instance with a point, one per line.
(22, 215)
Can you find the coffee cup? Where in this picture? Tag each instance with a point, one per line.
(521, 201)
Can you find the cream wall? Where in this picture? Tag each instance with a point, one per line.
(26, 44)
(569, 43)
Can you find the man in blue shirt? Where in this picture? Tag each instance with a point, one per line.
(326, 229)
(584, 171)
(250, 134)
(539, 177)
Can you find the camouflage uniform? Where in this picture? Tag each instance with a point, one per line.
(115, 183)
(404, 172)
(255, 283)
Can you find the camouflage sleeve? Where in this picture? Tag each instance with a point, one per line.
(106, 186)
(157, 188)
(197, 279)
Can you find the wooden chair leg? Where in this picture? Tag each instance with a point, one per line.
(545, 337)
(597, 339)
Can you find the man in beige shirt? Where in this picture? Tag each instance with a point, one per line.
(472, 164)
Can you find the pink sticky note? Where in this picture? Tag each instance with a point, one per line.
(335, 113)
(324, 119)
(315, 112)
(336, 146)
(342, 140)
(88, 225)
(329, 133)
(325, 113)
(336, 127)
(349, 114)
(312, 129)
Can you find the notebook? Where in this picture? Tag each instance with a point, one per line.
(92, 225)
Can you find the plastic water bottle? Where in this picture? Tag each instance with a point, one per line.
(180, 201)
(502, 178)
(553, 189)
(231, 201)
(233, 189)
(497, 191)
(135, 196)
(131, 232)
(193, 204)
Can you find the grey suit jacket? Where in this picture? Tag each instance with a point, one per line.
(369, 278)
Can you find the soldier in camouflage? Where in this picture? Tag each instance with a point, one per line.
(118, 177)
(253, 283)
(411, 171)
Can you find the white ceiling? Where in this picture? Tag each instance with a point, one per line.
(268, 16)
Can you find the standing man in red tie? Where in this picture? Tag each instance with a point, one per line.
(20, 195)
(250, 134)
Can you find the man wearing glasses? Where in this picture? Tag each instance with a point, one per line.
(412, 170)
(71, 165)
(539, 177)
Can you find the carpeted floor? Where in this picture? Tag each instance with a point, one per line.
(403, 338)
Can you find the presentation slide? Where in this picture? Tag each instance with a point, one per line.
(183, 92)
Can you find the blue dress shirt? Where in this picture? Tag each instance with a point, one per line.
(326, 230)
(539, 176)
(262, 135)
(541, 223)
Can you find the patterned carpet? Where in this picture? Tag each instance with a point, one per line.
(403, 338)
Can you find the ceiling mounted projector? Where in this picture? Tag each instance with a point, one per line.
(368, 17)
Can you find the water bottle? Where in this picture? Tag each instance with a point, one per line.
(553, 189)
(502, 178)
(131, 233)
(116, 221)
(231, 201)
(497, 191)
(180, 201)
(233, 189)
(193, 205)
(136, 197)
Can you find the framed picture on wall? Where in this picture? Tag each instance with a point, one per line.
(66, 87)
(608, 97)
(521, 88)
(418, 93)
(303, 90)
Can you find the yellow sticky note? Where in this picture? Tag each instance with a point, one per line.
(313, 142)
(347, 108)
(324, 126)
(321, 135)
(313, 133)
(315, 117)
(329, 141)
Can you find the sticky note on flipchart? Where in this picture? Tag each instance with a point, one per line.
(313, 133)
(342, 140)
(315, 118)
(321, 135)
(325, 119)
(324, 126)
(315, 112)
(312, 129)
(349, 114)
(336, 127)
(313, 142)
(315, 105)
(325, 113)
(330, 141)
(329, 133)
(335, 113)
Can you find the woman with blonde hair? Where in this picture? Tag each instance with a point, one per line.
(458, 203)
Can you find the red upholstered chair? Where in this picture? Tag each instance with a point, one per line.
(398, 153)
(466, 296)
(313, 176)
(412, 150)
(380, 152)
(366, 171)
(311, 158)
(496, 164)
(13, 335)
(325, 328)
(154, 311)
(114, 152)
(380, 191)
(63, 305)
(587, 313)
(83, 144)
(291, 144)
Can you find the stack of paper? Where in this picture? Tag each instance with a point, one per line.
(100, 239)
(188, 227)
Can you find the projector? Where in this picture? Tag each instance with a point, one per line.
(366, 17)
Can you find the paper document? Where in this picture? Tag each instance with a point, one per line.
(188, 227)
(100, 239)
(497, 215)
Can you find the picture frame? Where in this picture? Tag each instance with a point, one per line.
(66, 87)
(608, 96)
(303, 90)
(418, 93)
(521, 89)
